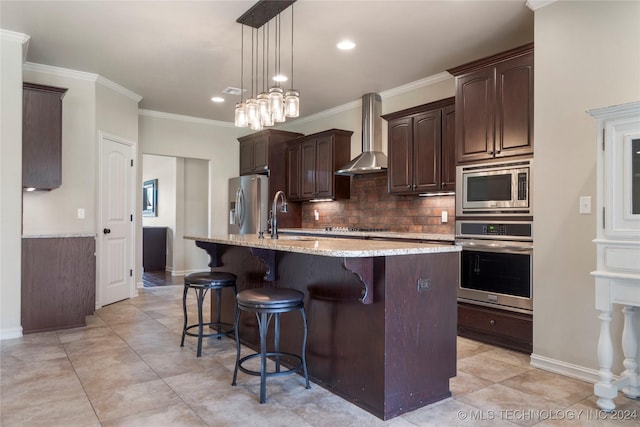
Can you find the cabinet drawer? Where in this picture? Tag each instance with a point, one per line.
(500, 327)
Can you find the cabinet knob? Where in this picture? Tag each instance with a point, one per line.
(408, 185)
(490, 153)
(106, 231)
(492, 322)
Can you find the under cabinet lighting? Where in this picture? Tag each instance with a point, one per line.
(30, 189)
(444, 193)
(321, 200)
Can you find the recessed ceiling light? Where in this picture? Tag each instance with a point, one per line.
(217, 99)
(280, 78)
(346, 45)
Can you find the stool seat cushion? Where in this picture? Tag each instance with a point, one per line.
(270, 297)
(210, 278)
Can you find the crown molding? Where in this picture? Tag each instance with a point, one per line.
(538, 4)
(81, 75)
(427, 81)
(181, 118)
(14, 36)
(21, 38)
(120, 89)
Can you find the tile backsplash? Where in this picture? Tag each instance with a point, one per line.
(371, 206)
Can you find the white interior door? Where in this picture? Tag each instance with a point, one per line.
(116, 226)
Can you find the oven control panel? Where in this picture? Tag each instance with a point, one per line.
(513, 229)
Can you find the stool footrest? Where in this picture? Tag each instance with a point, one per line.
(271, 374)
(212, 334)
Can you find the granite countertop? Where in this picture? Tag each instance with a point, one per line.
(369, 234)
(329, 246)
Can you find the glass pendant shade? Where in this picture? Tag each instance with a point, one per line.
(276, 99)
(252, 111)
(292, 103)
(241, 115)
(264, 109)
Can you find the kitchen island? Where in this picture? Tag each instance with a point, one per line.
(381, 315)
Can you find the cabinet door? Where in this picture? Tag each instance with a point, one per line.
(246, 157)
(308, 169)
(475, 99)
(324, 167)
(514, 107)
(448, 149)
(261, 154)
(41, 137)
(293, 172)
(400, 153)
(426, 151)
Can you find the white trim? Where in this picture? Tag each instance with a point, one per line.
(564, 368)
(81, 75)
(14, 36)
(409, 87)
(427, 81)
(102, 136)
(538, 4)
(57, 71)
(11, 333)
(190, 119)
(120, 89)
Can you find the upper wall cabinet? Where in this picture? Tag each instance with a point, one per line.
(263, 152)
(494, 106)
(41, 136)
(312, 162)
(421, 143)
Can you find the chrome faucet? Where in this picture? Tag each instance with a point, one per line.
(274, 214)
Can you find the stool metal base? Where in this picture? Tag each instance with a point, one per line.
(201, 291)
(264, 314)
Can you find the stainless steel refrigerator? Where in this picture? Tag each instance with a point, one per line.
(248, 204)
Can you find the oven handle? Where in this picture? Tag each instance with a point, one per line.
(497, 247)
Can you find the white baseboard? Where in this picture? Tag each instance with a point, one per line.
(10, 333)
(185, 272)
(564, 368)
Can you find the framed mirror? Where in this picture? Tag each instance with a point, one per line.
(150, 198)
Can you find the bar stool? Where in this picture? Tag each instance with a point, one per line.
(201, 283)
(267, 303)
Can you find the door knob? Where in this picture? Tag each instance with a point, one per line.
(106, 231)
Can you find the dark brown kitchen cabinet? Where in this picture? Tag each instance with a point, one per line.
(263, 152)
(494, 106)
(58, 284)
(421, 146)
(312, 162)
(41, 136)
(497, 327)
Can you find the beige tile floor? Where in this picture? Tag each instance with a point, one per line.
(125, 368)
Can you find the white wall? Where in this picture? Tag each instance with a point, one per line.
(55, 211)
(179, 136)
(196, 213)
(11, 57)
(587, 55)
(162, 168)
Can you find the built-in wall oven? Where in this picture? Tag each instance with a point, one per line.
(496, 263)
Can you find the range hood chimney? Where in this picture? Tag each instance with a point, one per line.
(372, 159)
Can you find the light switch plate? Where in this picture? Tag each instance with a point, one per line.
(585, 205)
(444, 216)
(80, 213)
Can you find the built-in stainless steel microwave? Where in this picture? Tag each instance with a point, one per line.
(498, 188)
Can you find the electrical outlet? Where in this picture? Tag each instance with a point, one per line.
(316, 215)
(585, 205)
(444, 216)
(80, 213)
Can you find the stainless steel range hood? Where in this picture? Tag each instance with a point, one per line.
(372, 159)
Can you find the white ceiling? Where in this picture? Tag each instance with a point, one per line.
(178, 54)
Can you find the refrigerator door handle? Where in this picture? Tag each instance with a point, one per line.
(240, 214)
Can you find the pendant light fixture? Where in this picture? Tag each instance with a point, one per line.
(272, 105)
(241, 119)
(292, 97)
